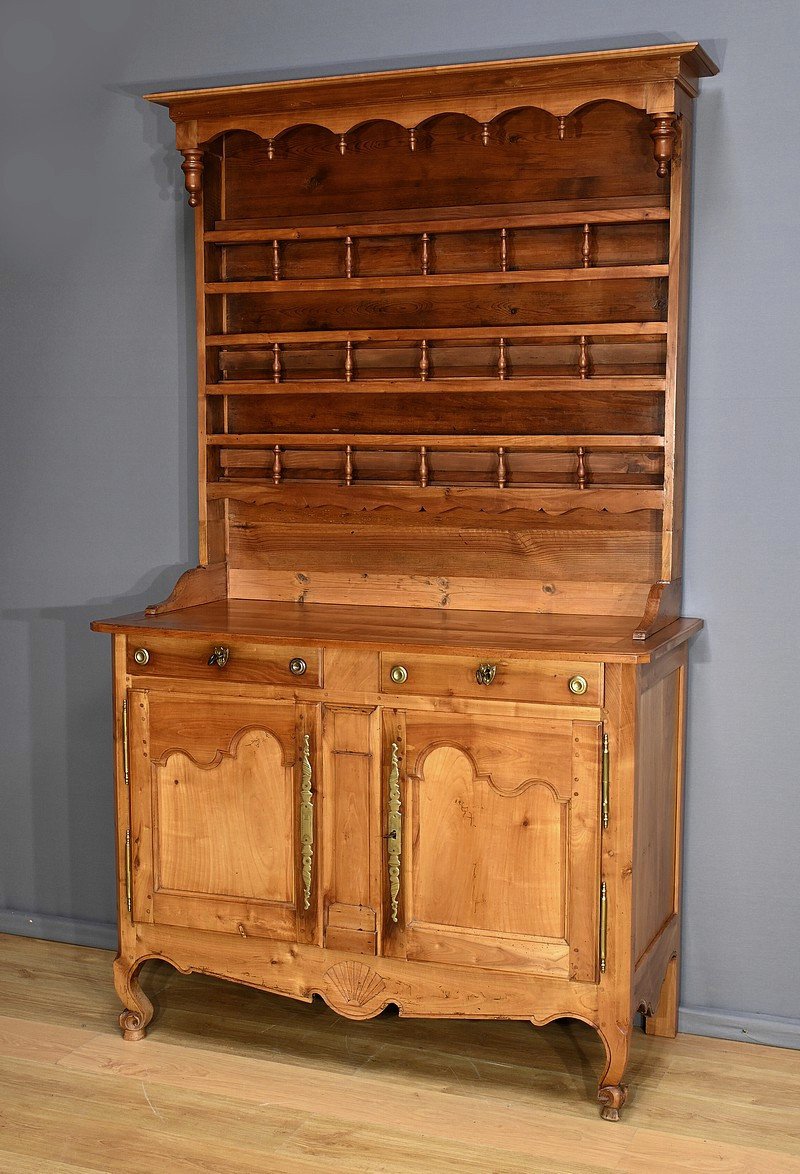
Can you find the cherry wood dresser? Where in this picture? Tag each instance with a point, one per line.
(412, 732)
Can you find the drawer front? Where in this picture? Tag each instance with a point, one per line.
(550, 682)
(260, 664)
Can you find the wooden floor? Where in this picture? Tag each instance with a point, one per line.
(231, 1079)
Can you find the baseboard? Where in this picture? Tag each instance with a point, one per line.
(754, 1029)
(74, 930)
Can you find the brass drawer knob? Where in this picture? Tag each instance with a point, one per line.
(219, 656)
(398, 674)
(485, 673)
(297, 666)
(141, 656)
(578, 685)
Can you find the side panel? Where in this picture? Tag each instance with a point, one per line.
(657, 807)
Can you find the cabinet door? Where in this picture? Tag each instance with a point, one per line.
(222, 794)
(497, 824)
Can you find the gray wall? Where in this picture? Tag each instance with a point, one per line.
(98, 511)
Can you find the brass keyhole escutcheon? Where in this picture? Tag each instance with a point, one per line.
(398, 674)
(578, 685)
(141, 656)
(219, 656)
(297, 666)
(485, 673)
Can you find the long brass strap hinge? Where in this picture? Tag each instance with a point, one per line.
(603, 925)
(128, 885)
(606, 781)
(126, 763)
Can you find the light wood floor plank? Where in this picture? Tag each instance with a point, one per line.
(231, 1080)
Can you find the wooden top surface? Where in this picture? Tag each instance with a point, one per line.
(581, 637)
(686, 61)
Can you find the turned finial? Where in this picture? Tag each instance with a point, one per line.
(412, 138)
(277, 369)
(582, 473)
(348, 465)
(485, 133)
(342, 144)
(424, 360)
(348, 256)
(192, 168)
(349, 364)
(277, 465)
(562, 127)
(663, 135)
(270, 149)
(276, 260)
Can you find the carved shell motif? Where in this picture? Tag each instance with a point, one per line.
(354, 982)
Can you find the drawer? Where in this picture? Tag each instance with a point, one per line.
(552, 682)
(260, 664)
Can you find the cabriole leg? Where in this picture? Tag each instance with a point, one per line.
(138, 1011)
(612, 1093)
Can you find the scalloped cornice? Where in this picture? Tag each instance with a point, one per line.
(644, 78)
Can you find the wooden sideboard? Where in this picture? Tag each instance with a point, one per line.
(412, 732)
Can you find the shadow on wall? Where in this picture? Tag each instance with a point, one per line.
(71, 795)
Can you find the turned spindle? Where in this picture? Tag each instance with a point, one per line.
(584, 364)
(276, 260)
(277, 465)
(349, 364)
(270, 149)
(426, 257)
(562, 127)
(412, 139)
(503, 250)
(485, 133)
(423, 467)
(502, 470)
(663, 135)
(348, 256)
(581, 473)
(586, 246)
(424, 360)
(502, 360)
(192, 168)
(342, 144)
(277, 367)
(348, 465)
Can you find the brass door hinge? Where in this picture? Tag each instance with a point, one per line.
(603, 925)
(126, 765)
(604, 808)
(128, 885)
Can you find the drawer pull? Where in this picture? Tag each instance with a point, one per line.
(399, 674)
(485, 673)
(297, 666)
(578, 686)
(395, 832)
(219, 656)
(306, 819)
(141, 656)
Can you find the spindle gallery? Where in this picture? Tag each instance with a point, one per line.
(411, 733)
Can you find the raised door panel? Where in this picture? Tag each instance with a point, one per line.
(499, 841)
(215, 805)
